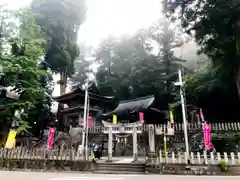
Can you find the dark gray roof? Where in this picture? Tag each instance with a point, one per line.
(9, 94)
(131, 106)
(79, 107)
(79, 91)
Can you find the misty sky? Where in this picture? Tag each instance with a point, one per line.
(112, 17)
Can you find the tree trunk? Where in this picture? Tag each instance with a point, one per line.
(238, 81)
(63, 83)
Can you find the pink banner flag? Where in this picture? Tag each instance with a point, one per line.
(141, 116)
(89, 121)
(207, 136)
(50, 138)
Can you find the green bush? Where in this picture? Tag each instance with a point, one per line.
(223, 166)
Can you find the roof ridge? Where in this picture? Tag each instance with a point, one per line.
(136, 99)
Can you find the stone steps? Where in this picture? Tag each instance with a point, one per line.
(119, 168)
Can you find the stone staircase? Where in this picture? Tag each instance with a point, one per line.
(119, 168)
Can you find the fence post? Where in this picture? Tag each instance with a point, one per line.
(62, 153)
(55, 156)
(205, 157)
(173, 158)
(233, 158)
(199, 158)
(166, 158)
(44, 158)
(1, 153)
(219, 157)
(192, 158)
(160, 156)
(73, 155)
(238, 157)
(212, 157)
(186, 157)
(225, 157)
(179, 158)
(110, 136)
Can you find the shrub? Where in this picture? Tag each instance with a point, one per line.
(223, 166)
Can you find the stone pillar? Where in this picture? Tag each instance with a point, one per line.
(151, 138)
(110, 143)
(80, 123)
(135, 151)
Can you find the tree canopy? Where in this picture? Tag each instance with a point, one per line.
(21, 58)
(60, 20)
(140, 65)
(215, 26)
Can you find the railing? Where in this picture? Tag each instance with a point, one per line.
(40, 154)
(164, 128)
(232, 158)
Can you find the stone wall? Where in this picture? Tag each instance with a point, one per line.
(44, 165)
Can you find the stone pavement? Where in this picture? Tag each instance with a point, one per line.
(129, 159)
(121, 159)
(6, 175)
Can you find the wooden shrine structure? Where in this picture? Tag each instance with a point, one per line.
(128, 114)
(119, 128)
(72, 112)
(128, 136)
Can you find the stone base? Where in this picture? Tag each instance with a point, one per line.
(109, 158)
(135, 157)
(152, 157)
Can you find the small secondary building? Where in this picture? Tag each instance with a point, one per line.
(71, 107)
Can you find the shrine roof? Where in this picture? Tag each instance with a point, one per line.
(132, 106)
(79, 92)
(76, 108)
(25, 134)
(9, 94)
(12, 95)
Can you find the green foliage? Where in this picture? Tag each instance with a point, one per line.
(60, 20)
(23, 126)
(7, 26)
(22, 70)
(202, 82)
(223, 166)
(216, 30)
(122, 62)
(130, 69)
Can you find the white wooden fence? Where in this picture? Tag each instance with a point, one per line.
(163, 128)
(232, 158)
